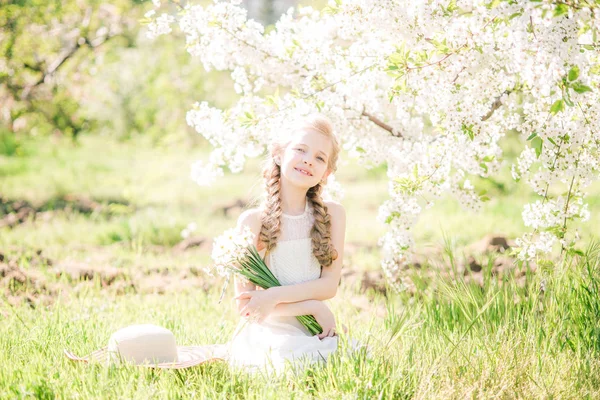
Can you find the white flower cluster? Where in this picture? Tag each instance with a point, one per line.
(530, 245)
(159, 26)
(429, 88)
(553, 213)
(205, 174)
(230, 247)
(333, 190)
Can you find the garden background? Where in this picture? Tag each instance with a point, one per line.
(102, 227)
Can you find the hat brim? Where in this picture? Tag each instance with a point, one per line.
(188, 356)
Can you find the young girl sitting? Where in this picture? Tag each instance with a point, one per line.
(302, 237)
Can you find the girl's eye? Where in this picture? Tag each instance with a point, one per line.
(302, 150)
(322, 159)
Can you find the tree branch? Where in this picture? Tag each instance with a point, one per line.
(381, 124)
(62, 58)
(495, 105)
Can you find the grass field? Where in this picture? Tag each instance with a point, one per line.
(99, 247)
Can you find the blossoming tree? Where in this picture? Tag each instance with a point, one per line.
(429, 87)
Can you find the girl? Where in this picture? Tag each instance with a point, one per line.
(302, 237)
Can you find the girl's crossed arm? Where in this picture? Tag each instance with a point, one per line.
(318, 309)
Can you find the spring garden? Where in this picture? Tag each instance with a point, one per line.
(132, 134)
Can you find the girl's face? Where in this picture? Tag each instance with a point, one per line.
(304, 161)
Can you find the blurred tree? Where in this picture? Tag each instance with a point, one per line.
(148, 89)
(267, 12)
(46, 49)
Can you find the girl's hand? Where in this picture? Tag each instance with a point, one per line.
(241, 304)
(325, 318)
(260, 303)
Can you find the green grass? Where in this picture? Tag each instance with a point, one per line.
(461, 341)
(534, 337)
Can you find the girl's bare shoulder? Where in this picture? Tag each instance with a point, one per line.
(335, 209)
(251, 219)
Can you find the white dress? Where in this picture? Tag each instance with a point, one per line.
(277, 340)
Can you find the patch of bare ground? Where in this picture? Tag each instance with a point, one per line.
(201, 242)
(17, 211)
(233, 208)
(488, 256)
(24, 284)
(37, 280)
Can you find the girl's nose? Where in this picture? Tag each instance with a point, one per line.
(306, 162)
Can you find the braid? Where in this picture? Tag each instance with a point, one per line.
(321, 231)
(271, 215)
(271, 211)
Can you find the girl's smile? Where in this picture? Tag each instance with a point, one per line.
(303, 171)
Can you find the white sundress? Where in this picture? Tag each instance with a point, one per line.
(279, 339)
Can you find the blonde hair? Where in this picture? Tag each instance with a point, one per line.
(271, 215)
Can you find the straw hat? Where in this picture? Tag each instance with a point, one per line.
(149, 346)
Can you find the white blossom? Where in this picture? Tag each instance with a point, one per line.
(160, 26)
(428, 90)
(332, 189)
(230, 247)
(205, 174)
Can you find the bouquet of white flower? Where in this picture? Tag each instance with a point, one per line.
(235, 252)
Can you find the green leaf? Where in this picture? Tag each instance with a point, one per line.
(574, 73)
(493, 4)
(327, 10)
(537, 143)
(396, 58)
(552, 141)
(561, 9)
(391, 217)
(468, 130)
(489, 158)
(533, 135)
(574, 251)
(581, 88)
(567, 97)
(558, 106)
(484, 167)
(484, 198)
(452, 6)
(515, 15)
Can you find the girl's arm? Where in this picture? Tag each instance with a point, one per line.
(247, 218)
(306, 307)
(316, 308)
(241, 287)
